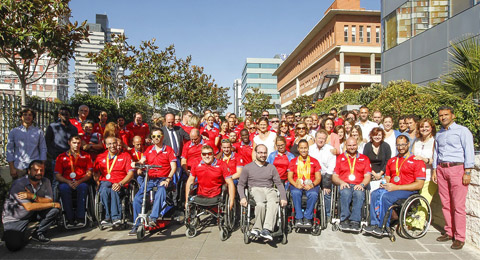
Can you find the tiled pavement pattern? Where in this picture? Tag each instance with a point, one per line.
(172, 244)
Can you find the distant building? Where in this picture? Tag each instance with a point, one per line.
(237, 96)
(257, 73)
(100, 32)
(418, 33)
(342, 51)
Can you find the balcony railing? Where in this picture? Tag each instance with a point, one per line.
(357, 71)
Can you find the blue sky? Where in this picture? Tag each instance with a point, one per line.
(219, 35)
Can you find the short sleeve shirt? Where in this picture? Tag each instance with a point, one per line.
(136, 155)
(65, 161)
(314, 167)
(211, 134)
(362, 167)
(232, 163)
(192, 153)
(410, 170)
(163, 157)
(98, 128)
(141, 130)
(78, 124)
(119, 169)
(245, 152)
(210, 177)
(282, 163)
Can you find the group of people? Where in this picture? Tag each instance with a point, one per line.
(269, 154)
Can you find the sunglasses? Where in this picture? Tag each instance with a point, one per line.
(157, 136)
(275, 121)
(248, 114)
(298, 116)
(207, 154)
(301, 128)
(265, 115)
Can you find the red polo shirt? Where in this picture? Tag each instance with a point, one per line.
(338, 121)
(410, 170)
(362, 166)
(64, 163)
(186, 128)
(290, 139)
(141, 130)
(192, 153)
(211, 134)
(136, 155)
(78, 124)
(126, 136)
(210, 178)
(245, 152)
(314, 167)
(164, 157)
(120, 168)
(282, 163)
(232, 163)
(98, 128)
(95, 138)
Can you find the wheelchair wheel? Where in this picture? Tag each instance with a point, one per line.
(230, 215)
(323, 213)
(317, 231)
(243, 220)
(98, 210)
(246, 238)
(284, 239)
(415, 217)
(191, 232)
(223, 234)
(141, 232)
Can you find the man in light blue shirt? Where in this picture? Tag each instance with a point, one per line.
(25, 144)
(453, 160)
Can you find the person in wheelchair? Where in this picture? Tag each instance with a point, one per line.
(231, 158)
(304, 177)
(281, 158)
(112, 172)
(210, 174)
(73, 169)
(261, 177)
(156, 154)
(404, 176)
(352, 174)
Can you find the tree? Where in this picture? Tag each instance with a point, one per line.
(300, 104)
(112, 61)
(257, 101)
(35, 30)
(464, 76)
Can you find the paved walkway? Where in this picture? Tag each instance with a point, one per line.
(172, 244)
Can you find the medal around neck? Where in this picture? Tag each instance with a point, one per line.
(351, 177)
(108, 176)
(73, 175)
(396, 179)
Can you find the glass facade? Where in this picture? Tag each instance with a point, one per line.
(417, 16)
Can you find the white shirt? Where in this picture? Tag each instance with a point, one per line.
(366, 128)
(425, 150)
(269, 142)
(324, 156)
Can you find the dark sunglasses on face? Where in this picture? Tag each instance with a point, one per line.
(275, 121)
(301, 128)
(209, 154)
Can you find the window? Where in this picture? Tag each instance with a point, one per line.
(345, 33)
(253, 65)
(360, 33)
(354, 33)
(253, 76)
(377, 34)
(369, 32)
(267, 76)
(347, 68)
(268, 86)
(269, 65)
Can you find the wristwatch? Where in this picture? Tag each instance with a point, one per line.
(363, 185)
(468, 172)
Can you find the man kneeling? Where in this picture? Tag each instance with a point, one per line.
(404, 176)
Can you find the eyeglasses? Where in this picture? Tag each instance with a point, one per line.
(301, 128)
(157, 136)
(280, 145)
(251, 128)
(402, 145)
(298, 115)
(265, 115)
(207, 154)
(248, 114)
(275, 121)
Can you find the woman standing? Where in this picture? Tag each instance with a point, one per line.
(357, 134)
(379, 153)
(211, 133)
(328, 124)
(423, 150)
(348, 124)
(390, 134)
(300, 133)
(264, 137)
(284, 131)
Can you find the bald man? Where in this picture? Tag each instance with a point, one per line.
(192, 150)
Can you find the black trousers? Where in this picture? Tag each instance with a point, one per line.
(15, 232)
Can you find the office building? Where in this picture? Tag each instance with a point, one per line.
(237, 96)
(100, 32)
(342, 51)
(257, 73)
(418, 33)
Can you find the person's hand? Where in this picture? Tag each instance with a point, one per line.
(116, 187)
(434, 176)
(466, 179)
(164, 183)
(308, 187)
(390, 186)
(243, 202)
(230, 203)
(344, 185)
(283, 203)
(25, 195)
(13, 173)
(57, 205)
(419, 158)
(333, 151)
(358, 187)
(377, 176)
(327, 191)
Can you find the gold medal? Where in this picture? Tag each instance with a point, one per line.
(110, 168)
(351, 177)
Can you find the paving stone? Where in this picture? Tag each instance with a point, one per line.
(401, 256)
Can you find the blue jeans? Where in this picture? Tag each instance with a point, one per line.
(387, 200)
(66, 196)
(356, 198)
(159, 197)
(312, 196)
(111, 201)
(327, 198)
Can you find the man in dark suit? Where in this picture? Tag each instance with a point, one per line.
(175, 137)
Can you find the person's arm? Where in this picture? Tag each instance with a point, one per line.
(231, 192)
(292, 182)
(10, 154)
(49, 139)
(184, 164)
(173, 168)
(242, 183)
(387, 154)
(414, 186)
(88, 176)
(337, 181)
(365, 182)
(254, 154)
(39, 203)
(280, 186)
(217, 140)
(42, 146)
(190, 181)
(237, 174)
(318, 178)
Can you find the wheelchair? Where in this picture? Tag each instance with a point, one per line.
(319, 214)
(410, 218)
(214, 208)
(336, 208)
(126, 196)
(89, 208)
(247, 220)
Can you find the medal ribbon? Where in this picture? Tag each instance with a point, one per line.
(303, 169)
(227, 159)
(138, 157)
(397, 170)
(352, 167)
(73, 162)
(109, 169)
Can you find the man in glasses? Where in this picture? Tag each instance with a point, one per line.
(211, 174)
(248, 115)
(261, 177)
(266, 114)
(192, 150)
(298, 117)
(113, 171)
(274, 123)
(157, 154)
(404, 176)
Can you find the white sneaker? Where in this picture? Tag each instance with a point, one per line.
(117, 222)
(105, 222)
(255, 232)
